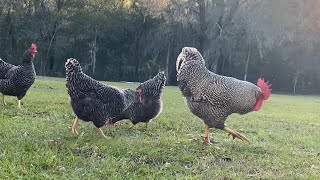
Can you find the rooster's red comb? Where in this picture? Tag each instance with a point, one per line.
(265, 87)
(33, 46)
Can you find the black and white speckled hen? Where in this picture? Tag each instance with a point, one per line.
(92, 100)
(16, 80)
(212, 97)
(148, 104)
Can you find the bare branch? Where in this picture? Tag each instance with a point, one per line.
(219, 28)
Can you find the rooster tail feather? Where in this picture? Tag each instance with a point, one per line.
(264, 95)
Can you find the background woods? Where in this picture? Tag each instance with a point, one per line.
(131, 40)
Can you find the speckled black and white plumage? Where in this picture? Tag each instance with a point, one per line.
(209, 96)
(4, 68)
(148, 103)
(16, 80)
(92, 100)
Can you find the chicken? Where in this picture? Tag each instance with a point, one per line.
(148, 103)
(213, 97)
(91, 100)
(16, 80)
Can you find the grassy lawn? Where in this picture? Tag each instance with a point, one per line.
(36, 142)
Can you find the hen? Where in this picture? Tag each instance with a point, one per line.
(92, 100)
(148, 103)
(212, 97)
(16, 80)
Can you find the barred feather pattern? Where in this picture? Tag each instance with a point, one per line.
(210, 96)
(16, 80)
(4, 68)
(151, 103)
(91, 100)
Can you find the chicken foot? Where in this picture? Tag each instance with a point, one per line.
(131, 126)
(235, 134)
(74, 126)
(100, 133)
(206, 135)
(19, 104)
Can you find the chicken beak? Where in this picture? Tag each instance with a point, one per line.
(67, 62)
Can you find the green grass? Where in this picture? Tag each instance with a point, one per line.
(36, 142)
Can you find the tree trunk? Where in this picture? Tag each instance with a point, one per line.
(295, 84)
(44, 65)
(220, 64)
(203, 25)
(247, 63)
(297, 73)
(136, 60)
(168, 59)
(93, 52)
(136, 56)
(296, 77)
(120, 66)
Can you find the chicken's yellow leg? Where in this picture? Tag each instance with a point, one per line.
(74, 126)
(235, 134)
(19, 104)
(206, 134)
(131, 126)
(100, 133)
(4, 103)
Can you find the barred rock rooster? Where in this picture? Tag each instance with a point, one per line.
(148, 104)
(93, 101)
(16, 80)
(213, 97)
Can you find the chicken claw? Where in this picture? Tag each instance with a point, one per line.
(131, 127)
(206, 135)
(19, 104)
(100, 133)
(74, 126)
(235, 134)
(206, 141)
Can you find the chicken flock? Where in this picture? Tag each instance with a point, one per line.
(209, 96)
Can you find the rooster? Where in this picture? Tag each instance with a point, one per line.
(213, 97)
(148, 104)
(92, 100)
(16, 80)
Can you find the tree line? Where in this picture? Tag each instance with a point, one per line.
(131, 40)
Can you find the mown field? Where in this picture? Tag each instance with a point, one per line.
(36, 142)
